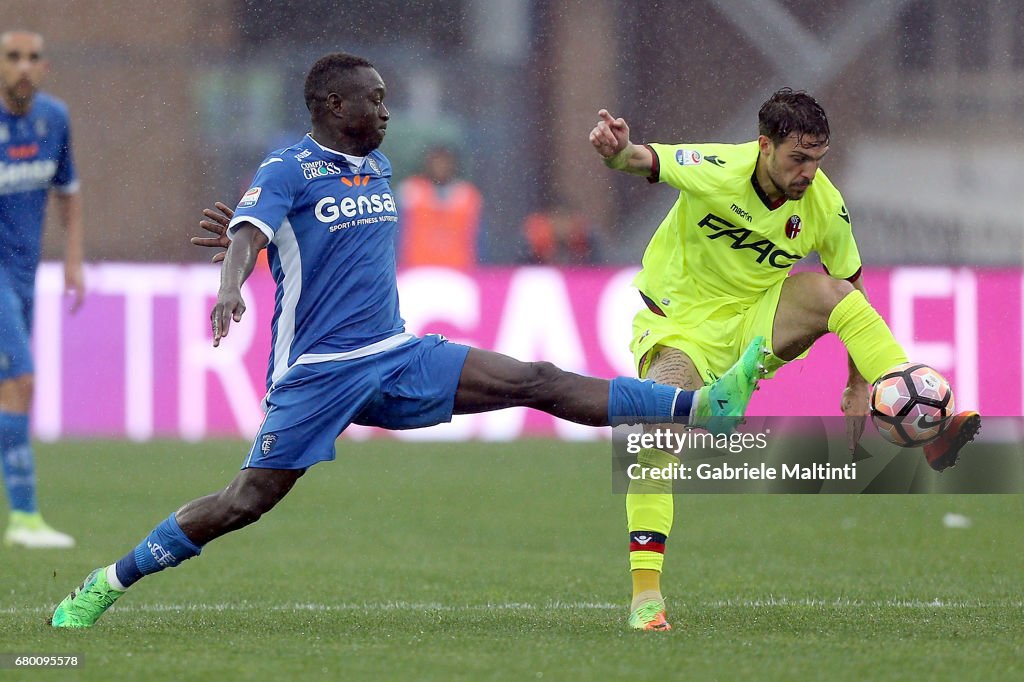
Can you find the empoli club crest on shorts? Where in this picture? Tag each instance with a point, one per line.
(268, 442)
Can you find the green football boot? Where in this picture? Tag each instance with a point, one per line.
(650, 616)
(720, 406)
(87, 603)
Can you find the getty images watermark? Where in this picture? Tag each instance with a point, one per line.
(677, 442)
(808, 455)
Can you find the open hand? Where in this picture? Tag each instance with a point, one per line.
(216, 222)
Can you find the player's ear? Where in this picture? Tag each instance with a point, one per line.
(335, 104)
(764, 143)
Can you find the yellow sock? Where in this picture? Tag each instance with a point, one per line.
(649, 511)
(646, 586)
(866, 336)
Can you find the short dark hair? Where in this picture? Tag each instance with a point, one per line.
(329, 74)
(787, 112)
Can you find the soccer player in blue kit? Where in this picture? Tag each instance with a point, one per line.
(325, 211)
(35, 157)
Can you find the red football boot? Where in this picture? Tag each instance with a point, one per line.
(944, 451)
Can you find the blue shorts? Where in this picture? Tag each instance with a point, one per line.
(408, 387)
(15, 329)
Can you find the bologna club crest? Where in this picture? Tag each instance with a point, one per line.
(793, 226)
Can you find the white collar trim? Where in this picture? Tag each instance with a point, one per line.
(355, 161)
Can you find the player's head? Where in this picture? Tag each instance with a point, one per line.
(345, 94)
(793, 138)
(22, 67)
(440, 165)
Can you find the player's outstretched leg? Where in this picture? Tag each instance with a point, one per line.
(492, 381)
(722, 404)
(177, 538)
(944, 451)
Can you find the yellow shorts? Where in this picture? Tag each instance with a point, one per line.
(715, 344)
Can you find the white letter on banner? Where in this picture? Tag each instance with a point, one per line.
(538, 324)
(199, 286)
(431, 295)
(137, 284)
(906, 285)
(618, 304)
(47, 418)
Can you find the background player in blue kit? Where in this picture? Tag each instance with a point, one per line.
(35, 157)
(325, 210)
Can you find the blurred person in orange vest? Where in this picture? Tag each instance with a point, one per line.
(440, 215)
(559, 235)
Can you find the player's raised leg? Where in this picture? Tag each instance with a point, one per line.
(492, 381)
(177, 538)
(812, 304)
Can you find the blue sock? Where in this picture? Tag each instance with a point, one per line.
(632, 401)
(165, 547)
(19, 467)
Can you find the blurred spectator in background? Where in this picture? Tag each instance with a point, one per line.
(440, 215)
(559, 235)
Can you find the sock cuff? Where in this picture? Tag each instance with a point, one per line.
(179, 534)
(665, 399)
(846, 307)
(651, 561)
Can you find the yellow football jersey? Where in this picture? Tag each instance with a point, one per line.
(723, 244)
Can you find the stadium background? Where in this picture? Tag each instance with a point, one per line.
(174, 103)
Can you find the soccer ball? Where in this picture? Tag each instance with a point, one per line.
(910, 404)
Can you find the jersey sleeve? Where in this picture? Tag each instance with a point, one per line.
(838, 248)
(269, 198)
(683, 166)
(65, 180)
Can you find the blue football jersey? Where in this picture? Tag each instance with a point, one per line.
(332, 232)
(35, 155)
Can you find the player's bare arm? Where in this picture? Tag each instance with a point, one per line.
(238, 265)
(610, 138)
(216, 222)
(69, 209)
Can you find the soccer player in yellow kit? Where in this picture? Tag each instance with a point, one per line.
(716, 274)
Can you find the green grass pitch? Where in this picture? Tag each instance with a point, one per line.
(485, 561)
